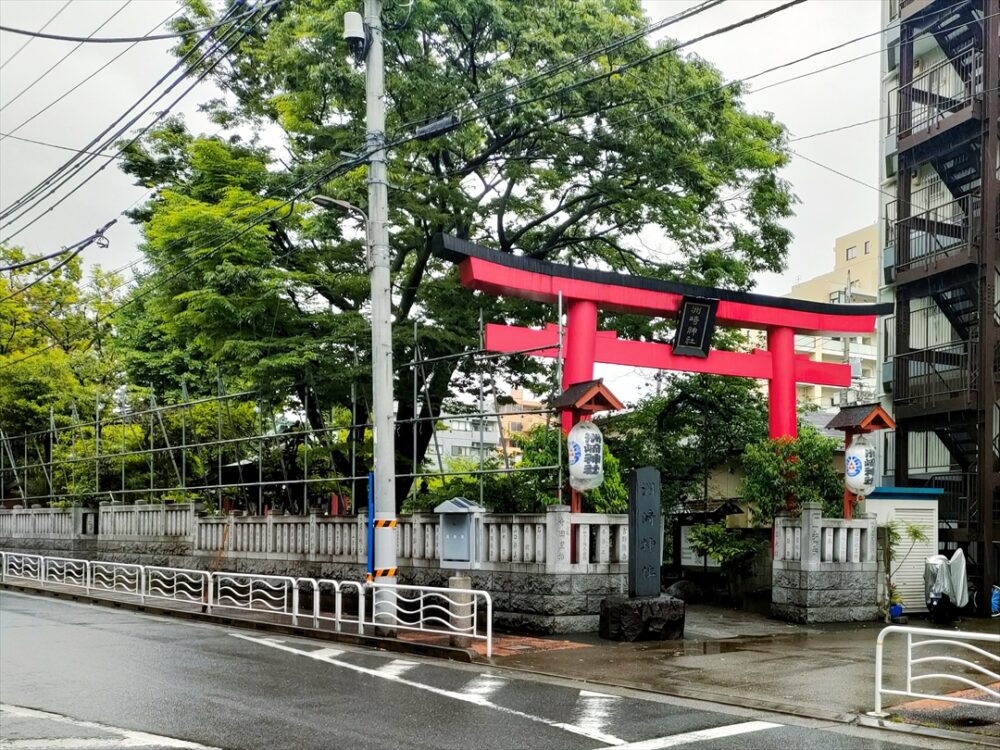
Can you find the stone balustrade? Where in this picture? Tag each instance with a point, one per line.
(824, 569)
(139, 522)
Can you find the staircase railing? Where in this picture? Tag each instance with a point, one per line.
(930, 234)
(958, 507)
(939, 92)
(937, 373)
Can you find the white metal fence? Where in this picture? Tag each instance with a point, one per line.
(937, 648)
(426, 609)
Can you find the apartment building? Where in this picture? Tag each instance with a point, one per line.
(939, 240)
(854, 279)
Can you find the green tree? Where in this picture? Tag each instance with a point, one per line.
(700, 422)
(52, 355)
(554, 166)
(783, 473)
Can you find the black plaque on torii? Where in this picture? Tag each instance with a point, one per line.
(644, 532)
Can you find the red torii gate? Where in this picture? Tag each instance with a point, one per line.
(584, 291)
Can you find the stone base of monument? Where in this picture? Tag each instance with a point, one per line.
(652, 618)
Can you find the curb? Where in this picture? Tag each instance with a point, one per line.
(781, 708)
(395, 645)
(918, 729)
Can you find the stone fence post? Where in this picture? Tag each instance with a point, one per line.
(812, 524)
(557, 539)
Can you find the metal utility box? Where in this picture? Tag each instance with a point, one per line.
(458, 532)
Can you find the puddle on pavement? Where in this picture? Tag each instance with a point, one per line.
(723, 646)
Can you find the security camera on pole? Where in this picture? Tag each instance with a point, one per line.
(365, 41)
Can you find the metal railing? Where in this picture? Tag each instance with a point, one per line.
(178, 584)
(951, 639)
(958, 506)
(936, 373)
(939, 92)
(426, 609)
(122, 578)
(929, 234)
(430, 608)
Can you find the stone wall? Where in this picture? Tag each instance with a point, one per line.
(824, 569)
(526, 602)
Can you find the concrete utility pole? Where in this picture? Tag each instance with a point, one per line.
(381, 305)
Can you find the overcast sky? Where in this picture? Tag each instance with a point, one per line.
(830, 205)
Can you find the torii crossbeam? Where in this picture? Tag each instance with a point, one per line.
(584, 292)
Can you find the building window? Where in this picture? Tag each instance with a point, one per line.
(852, 252)
(456, 450)
(516, 427)
(868, 247)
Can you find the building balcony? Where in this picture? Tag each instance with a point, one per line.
(932, 240)
(934, 380)
(944, 97)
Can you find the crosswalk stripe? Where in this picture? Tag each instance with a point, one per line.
(396, 667)
(484, 686)
(474, 699)
(730, 730)
(593, 710)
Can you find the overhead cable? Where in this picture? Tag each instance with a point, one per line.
(100, 138)
(73, 88)
(61, 60)
(97, 236)
(31, 39)
(243, 33)
(135, 39)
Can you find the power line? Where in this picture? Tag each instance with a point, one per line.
(4, 136)
(842, 174)
(29, 41)
(163, 113)
(62, 59)
(789, 64)
(35, 261)
(405, 139)
(133, 39)
(97, 236)
(69, 91)
(97, 139)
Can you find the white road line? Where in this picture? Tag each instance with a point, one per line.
(396, 668)
(323, 652)
(474, 699)
(484, 686)
(731, 730)
(126, 737)
(593, 710)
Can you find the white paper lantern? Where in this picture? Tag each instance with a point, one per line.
(859, 466)
(586, 456)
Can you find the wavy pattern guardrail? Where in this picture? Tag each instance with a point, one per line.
(427, 609)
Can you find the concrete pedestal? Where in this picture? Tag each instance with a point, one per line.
(461, 610)
(654, 618)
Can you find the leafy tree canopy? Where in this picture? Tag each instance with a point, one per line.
(784, 473)
(546, 164)
(698, 423)
(52, 355)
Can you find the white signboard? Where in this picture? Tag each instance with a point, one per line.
(689, 557)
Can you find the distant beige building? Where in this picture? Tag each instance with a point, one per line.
(514, 420)
(854, 278)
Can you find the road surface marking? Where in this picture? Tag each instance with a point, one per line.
(396, 668)
(126, 737)
(323, 652)
(593, 710)
(731, 730)
(474, 699)
(484, 686)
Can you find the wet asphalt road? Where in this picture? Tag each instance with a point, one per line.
(79, 676)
